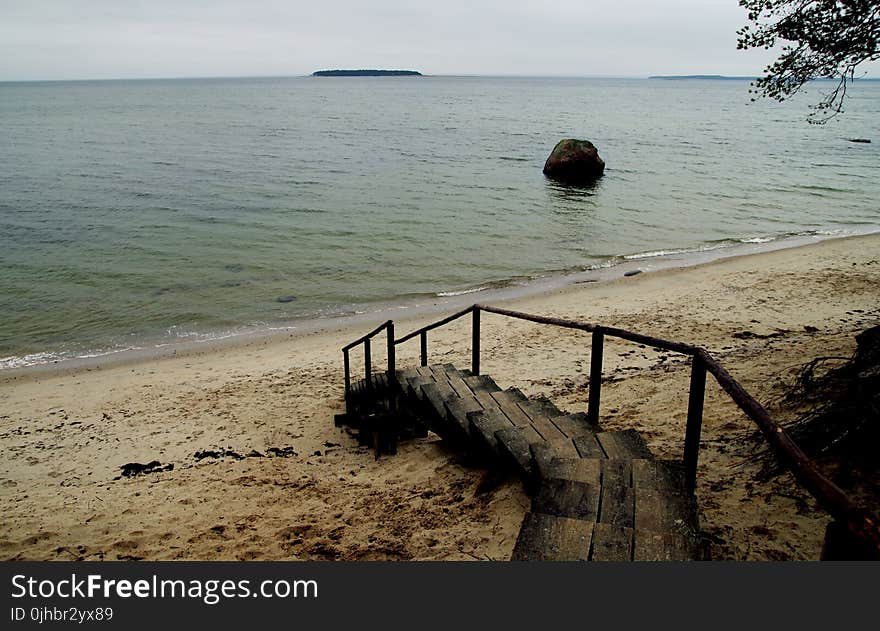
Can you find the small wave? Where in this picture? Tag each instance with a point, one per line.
(33, 359)
(448, 294)
(757, 240)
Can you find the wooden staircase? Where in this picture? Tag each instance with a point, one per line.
(596, 495)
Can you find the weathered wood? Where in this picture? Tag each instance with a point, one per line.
(618, 505)
(696, 396)
(458, 409)
(551, 538)
(436, 394)
(515, 394)
(514, 444)
(423, 348)
(347, 367)
(475, 341)
(661, 511)
(594, 396)
(616, 472)
(564, 447)
(482, 382)
(666, 546)
(415, 385)
(611, 543)
(547, 429)
(506, 402)
(567, 498)
(484, 424)
(588, 447)
(425, 371)
(574, 425)
(460, 387)
(368, 359)
(392, 355)
(576, 469)
(624, 444)
(660, 475)
(542, 457)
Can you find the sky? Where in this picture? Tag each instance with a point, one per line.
(104, 39)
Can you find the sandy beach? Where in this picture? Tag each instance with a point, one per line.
(284, 483)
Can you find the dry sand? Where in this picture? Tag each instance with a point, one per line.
(65, 436)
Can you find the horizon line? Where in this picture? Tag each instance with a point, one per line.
(423, 75)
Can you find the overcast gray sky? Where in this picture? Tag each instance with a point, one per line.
(85, 39)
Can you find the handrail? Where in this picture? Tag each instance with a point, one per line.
(368, 367)
(435, 325)
(369, 335)
(859, 522)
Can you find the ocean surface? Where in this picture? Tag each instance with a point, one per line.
(135, 214)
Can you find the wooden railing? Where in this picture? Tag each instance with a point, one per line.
(860, 525)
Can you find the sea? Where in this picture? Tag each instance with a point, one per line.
(141, 214)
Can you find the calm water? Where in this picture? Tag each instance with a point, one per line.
(138, 213)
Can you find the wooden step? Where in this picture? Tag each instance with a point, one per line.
(551, 538)
(668, 546)
(515, 447)
(567, 498)
(545, 537)
(484, 424)
(624, 444)
(611, 543)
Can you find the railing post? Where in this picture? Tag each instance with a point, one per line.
(694, 422)
(347, 365)
(595, 377)
(368, 368)
(475, 342)
(391, 357)
(424, 340)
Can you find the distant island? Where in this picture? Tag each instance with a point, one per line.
(716, 77)
(366, 73)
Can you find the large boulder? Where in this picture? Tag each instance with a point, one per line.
(574, 161)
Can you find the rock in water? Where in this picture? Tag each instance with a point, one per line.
(573, 161)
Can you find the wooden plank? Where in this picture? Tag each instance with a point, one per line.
(485, 399)
(659, 475)
(482, 382)
(425, 371)
(588, 447)
(542, 457)
(415, 385)
(547, 407)
(616, 472)
(618, 505)
(437, 394)
(666, 546)
(484, 424)
(552, 538)
(624, 444)
(564, 448)
(577, 469)
(460, 387)
(403, 375)
(509, 406)
(513, 443)
(661, 511)
(567, 498)
(546, 429)
(574, 425)
(611, 543)
(458, 409)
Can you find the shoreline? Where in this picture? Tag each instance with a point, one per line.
(67, 435)
(414, 308)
